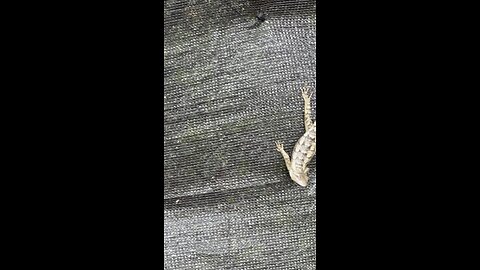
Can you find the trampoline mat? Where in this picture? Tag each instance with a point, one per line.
(233, 75)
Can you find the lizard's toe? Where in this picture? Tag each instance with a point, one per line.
(279, 146)
(306, 94)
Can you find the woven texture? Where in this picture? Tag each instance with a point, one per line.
(233, 76)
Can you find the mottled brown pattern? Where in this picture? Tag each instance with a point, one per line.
(305, 147)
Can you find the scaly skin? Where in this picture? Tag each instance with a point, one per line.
(304, 149)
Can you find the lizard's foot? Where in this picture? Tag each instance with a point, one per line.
(306, 96)
(279, 146)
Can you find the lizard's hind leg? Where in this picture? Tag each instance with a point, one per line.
(284, 154)
(308, 108)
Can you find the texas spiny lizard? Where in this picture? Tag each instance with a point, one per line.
(305, 147)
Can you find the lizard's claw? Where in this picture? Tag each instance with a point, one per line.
(305, 93)
(279, 146)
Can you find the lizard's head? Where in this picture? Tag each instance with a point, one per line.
(300, 178)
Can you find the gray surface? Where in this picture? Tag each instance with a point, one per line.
(231, 89)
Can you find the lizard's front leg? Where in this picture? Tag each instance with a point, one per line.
(308, 108)
(284, 154)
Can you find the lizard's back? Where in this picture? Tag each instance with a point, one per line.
(305, 149)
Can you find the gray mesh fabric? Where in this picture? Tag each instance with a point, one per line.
(232, 88)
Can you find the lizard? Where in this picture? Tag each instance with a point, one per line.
(305, 148)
